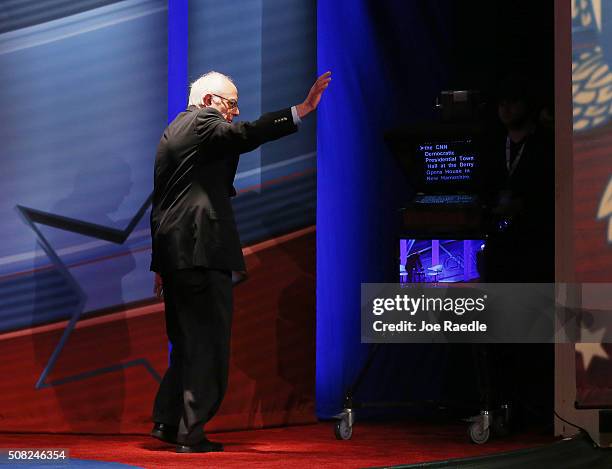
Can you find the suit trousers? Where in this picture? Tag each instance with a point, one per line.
(198, 305)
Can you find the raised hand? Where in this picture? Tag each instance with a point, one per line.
(314, 95)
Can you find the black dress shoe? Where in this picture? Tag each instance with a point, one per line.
(164, 432)
(204, 446)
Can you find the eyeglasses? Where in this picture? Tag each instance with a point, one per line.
(231, 103)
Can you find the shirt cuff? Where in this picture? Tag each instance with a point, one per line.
(294, 114)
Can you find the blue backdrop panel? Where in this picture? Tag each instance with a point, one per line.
(86, 90)
(268, 48)
(83, 102)
(386, 59)
(17, 14)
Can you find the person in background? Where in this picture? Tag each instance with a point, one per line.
(520, 248)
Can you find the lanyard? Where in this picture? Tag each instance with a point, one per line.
(512, 167)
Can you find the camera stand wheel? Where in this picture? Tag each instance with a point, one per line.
(344, 427)
(480, 428)
(478, 433)
(343, 431)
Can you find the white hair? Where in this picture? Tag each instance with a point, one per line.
(210, 82)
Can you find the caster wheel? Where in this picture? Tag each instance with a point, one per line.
(479, 434)
(501, 426)
(342, 430)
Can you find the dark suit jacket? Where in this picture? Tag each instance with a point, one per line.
(192, 221)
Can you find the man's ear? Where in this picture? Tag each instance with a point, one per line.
(207, 99)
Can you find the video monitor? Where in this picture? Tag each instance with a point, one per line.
(440, 158)
(439, 260)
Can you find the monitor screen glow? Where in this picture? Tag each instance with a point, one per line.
(439, 261)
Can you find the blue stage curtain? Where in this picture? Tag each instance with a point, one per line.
(388, 64)
(178, 41)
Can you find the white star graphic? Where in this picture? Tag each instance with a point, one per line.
(592, 349)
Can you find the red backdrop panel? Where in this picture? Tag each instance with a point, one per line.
(105, 374)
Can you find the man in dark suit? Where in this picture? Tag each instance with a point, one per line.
(196, 247)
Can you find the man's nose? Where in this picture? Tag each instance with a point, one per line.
(236, 111)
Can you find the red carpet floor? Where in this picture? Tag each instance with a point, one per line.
(307, 446)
